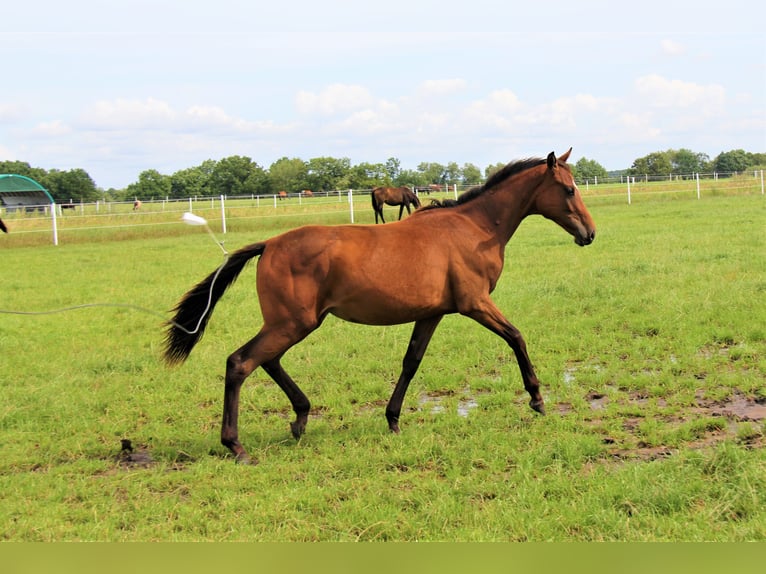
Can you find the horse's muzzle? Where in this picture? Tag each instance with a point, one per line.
(586, 239)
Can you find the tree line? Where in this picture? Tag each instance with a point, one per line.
(240, 175)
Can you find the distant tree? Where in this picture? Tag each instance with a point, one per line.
(151, 184)
(433, 172)
(452, 173)
(588, 170)
(193, 181)
(71, 185)
(365, 176)
(657, 163)
(411, 178)
(393, 168)
(238, 175)
(491, 169)
(759, 160)
(326, 173)
(471, 174)
(686, 162)
(737, 160)
(289, 174)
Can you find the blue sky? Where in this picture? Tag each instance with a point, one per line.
(118, 88)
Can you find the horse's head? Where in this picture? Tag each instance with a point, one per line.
(414, 199)
(559, 200)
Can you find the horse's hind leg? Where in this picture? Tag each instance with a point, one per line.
(298, 400)
(421, 336)
(239, 366)
(237, 370)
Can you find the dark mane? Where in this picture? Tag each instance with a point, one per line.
(496, 178)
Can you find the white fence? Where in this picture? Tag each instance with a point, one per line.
(105, 215)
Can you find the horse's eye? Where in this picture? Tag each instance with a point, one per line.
(570, 191)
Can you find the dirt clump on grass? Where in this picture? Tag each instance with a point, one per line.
(741, 419)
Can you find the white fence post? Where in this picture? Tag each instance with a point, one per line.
(223, 216)
(351, 204)
(698, 185)
(628, 178)
(55, 226)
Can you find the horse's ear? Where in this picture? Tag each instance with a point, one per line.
(565, 157)
(551, 160)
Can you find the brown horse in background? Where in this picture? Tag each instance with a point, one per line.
(308, 273)
(3, 228)
(401, 196)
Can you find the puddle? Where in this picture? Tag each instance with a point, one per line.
(465, 406)
(571, 370)
(433, 402)
(596, 400)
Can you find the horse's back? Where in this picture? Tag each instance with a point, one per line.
(376, 275)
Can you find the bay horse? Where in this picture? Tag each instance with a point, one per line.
(307, 273)
(401, 196)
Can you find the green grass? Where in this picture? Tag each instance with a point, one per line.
(644, 342)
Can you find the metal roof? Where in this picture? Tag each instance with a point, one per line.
(20, 189)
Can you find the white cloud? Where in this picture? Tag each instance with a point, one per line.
(660, 92)
(54, 128)
(431, 88)
(672, 48)
(334, 99)
(10, 112)
(636, 126)
(500, 109)
(148, 113)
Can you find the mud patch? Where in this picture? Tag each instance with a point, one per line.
(738, 407)
(740, 418)
(134, 457)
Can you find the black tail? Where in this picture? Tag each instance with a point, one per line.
(195, 308)
(3, 227)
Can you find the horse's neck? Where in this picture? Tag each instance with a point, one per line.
(502, 209)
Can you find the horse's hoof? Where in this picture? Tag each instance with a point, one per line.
(538, 406)
(297, 429)
(244, 459)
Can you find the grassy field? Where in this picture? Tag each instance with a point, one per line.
(650, 344)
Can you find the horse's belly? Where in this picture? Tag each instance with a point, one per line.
(388, 308)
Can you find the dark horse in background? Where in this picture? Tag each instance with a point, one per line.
(3, 228)
(401, 196)
(308, 273)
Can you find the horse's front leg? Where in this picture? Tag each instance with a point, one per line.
(490, 317)
(421, 336)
